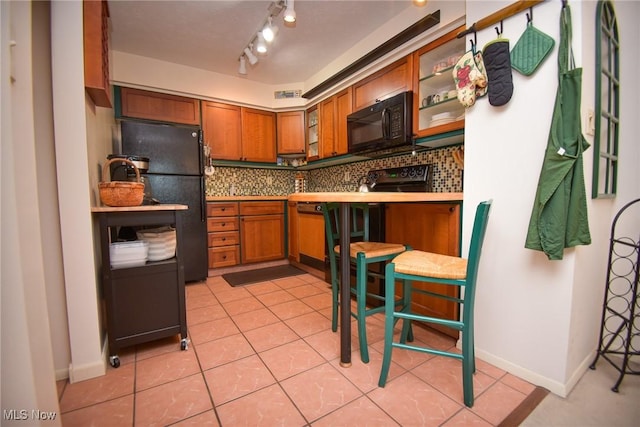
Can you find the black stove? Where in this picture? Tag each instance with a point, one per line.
(417, 178)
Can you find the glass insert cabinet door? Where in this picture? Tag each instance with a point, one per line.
(437, 109)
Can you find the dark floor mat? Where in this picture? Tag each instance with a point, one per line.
(261, 275)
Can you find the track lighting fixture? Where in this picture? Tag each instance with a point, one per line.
(289, 13)
(261, 47)
(266, 33)
(250, 56)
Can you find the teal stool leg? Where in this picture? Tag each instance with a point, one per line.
(389, 321)
(361, 306)
(335, 291)
(468, 367)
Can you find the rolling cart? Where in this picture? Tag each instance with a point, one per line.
(619, 330)
(146, 302)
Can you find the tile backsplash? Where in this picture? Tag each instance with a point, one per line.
(447, 176)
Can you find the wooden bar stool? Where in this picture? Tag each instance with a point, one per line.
(422, 266)
(363, 253)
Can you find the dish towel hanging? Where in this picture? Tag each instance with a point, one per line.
(559, 217)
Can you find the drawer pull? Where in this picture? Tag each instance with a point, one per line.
(224, 223)
(223, 209)
(224, 257)
(224, 239)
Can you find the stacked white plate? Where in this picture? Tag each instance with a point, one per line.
(162, 242)
(441, 119)
(128, 254)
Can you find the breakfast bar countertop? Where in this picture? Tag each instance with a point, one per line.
(375, 197)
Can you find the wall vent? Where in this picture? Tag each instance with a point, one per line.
(283, 94)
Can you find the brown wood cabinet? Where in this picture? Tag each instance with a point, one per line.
(95, 15)
(433, 227)
(163, 107)
(258, 135)
(223, 234)
(261, 231)
(389, 81)
(311, 236)
(432, 68)
(290, 132)
(239, 133)
(333, 114)
(294, 252)
(221, 130)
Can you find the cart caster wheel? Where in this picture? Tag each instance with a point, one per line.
(183, 344)
(115, 361)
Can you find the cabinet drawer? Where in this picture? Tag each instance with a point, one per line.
(222, 209)
(222, 224)
(224, 238)
(225, 256)
(261, 208)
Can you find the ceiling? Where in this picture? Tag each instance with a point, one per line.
(211, 35)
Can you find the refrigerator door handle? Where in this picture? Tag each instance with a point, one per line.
(203, 203)
(201, 151)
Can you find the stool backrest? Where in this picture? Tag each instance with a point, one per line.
(359, 223)
(475, 249)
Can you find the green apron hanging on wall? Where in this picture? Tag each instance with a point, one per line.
(559, 217)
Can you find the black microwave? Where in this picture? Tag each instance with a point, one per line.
(385, 124)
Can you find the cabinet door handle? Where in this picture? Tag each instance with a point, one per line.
(224, 239)
(224, 257)
(223, 209)
(224, 224)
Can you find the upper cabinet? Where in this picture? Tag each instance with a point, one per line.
(96, 51)
(239, 133)
(291, 132)
(143, 104)
(389, 81)
(313, 140)
(333, 114)
(258, 135)
(221, 130)
(436, 106)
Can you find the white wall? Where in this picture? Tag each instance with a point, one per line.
(539, 318)
(74, 196)
(28, 381)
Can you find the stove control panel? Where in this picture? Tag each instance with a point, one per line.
(404, 174)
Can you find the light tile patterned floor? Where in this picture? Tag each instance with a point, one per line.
(265, 355)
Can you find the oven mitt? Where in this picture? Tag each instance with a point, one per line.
(531, 50)
(481, 83)
(466, 76)
(497, 62)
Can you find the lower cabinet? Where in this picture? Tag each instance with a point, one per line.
(432, 227)
(294, 249)
(245, 232)
(223, 234)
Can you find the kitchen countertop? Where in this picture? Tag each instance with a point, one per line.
(141, 208)
(377, 197)
(241, 198)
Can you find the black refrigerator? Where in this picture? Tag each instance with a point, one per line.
(176, 165)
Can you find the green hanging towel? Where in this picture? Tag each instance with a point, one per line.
(559, 217)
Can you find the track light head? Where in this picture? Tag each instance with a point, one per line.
(261, 46)
(242, 69)
(250, 56)
(269, 31)
(290, 13)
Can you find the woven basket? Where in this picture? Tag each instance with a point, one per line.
(121, 193)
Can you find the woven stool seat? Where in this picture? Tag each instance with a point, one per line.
(373, 249)
(432, 265)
